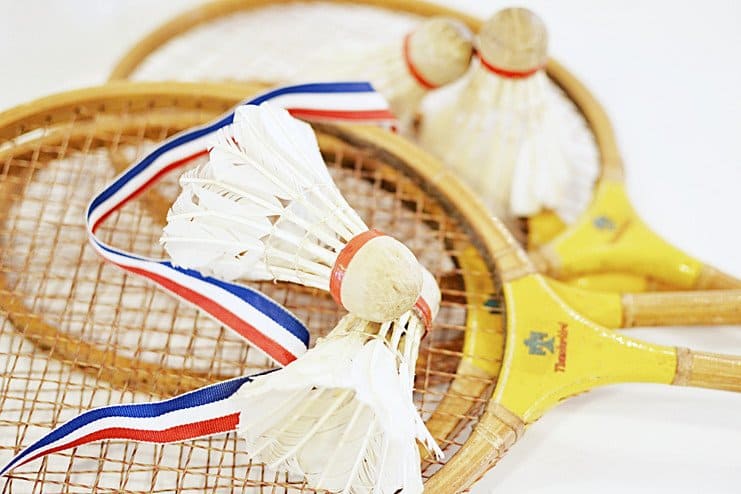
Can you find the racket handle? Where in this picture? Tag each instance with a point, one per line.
(713, 279)
(497, 430)
(708, 370)
(681, 308)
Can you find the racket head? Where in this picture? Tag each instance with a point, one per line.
(362, 24)
(77, 333)
(218, 28)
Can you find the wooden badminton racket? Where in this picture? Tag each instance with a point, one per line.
(78, 333)
(609, 247)
(221, 31)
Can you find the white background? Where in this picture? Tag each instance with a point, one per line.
(669, 74)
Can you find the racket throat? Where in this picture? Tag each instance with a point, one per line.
(611, 237)
(553, 352)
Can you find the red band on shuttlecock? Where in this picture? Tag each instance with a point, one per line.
(343, 261)
(509, 74)
(412, 69)
(334, 115)
(425, 314)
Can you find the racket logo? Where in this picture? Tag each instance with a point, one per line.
(607, 224)
(540, 343)
(603, 223)
(537, 343)
(563, 341)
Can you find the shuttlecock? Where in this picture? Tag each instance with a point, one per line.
(435, 53)
(264, 207)
(510, 132)
(342, 414)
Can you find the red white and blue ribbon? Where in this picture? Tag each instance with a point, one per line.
(260, 320)
(264, 323)
(201, 413)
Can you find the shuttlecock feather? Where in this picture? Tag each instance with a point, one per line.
(510, 132)
(342, 415)
(264, 207)
(435, 53)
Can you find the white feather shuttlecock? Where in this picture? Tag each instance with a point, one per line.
(342, 414)
(510, 132)
(264, 207)
(437, 52)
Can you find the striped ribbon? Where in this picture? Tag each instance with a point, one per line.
(264, 323)
(201, 413)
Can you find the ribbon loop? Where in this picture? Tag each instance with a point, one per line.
(264, 323)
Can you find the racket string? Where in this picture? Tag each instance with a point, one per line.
(289, 48)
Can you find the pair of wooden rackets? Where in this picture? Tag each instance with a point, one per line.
(504, 349)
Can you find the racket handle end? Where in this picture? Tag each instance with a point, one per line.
(708, 370)
(681, 308)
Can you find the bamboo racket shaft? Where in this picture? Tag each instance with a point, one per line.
(708, 370)
(682, 308)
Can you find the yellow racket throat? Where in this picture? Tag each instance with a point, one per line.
(546, 225)
(552, 352)
(610, 237)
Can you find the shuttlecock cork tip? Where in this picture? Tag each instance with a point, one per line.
(439, 50)
(514, 40)
(381, 281)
